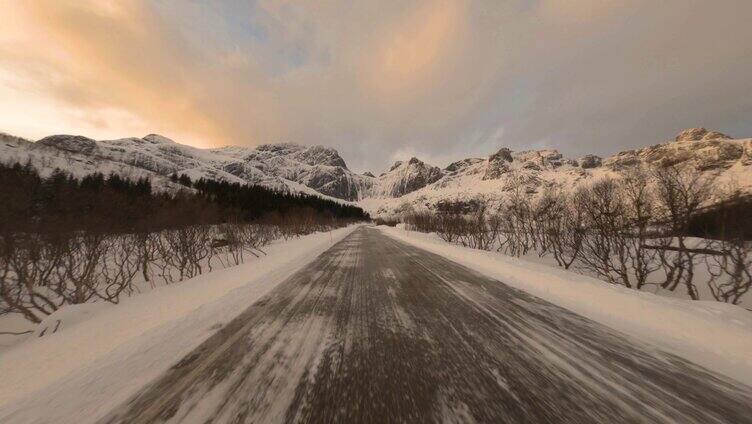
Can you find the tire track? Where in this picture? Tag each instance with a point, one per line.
(375, 330)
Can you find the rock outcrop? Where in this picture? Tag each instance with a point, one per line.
(590, 161)
(406, 177)
(697, 134)
(498, 164)
(70, 143)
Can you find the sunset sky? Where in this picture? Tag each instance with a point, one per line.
(379, 80)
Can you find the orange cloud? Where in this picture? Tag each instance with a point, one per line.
(425, 36)
(107, 59)
(409, 55)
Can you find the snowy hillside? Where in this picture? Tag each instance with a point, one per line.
(406, 177)
(317, 167)
(321, 170)
(269, 165)
(472, 181)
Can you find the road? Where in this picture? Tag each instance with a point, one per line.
(375, 330)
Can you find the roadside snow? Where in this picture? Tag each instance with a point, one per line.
(102, 353)
(715, 335)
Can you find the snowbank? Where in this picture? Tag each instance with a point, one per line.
(714, 335)
(102, 354)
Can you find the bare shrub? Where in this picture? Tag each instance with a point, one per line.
(559, 224)
(605, 248)
(423, 221)
(481, 229)
(517, 224)
(680, 194)
(451, 226)
(231, 243)
(390, 221)
(730, 271)
(28, 266)
(40, 274)
(639, 207)
(122, 263)
(148, 252)
(183, 251)
(79, 273)
(728, 259)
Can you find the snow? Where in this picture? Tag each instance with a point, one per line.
(158, 157)
(714, 335)
(14, 323)
(465, 182)
(103, 353)
(46, 159)
(404, 177)
(320, 170)
(303, 189)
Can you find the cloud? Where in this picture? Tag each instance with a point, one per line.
(443, 79)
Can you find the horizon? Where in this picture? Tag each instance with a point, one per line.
(436, 80)
(377, 171)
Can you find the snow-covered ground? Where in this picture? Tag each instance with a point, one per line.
(715, 335)
(102, 353)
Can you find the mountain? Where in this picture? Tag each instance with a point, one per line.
(406, 177)
(278, 166)
(317, 167)
(467, 183)
(413, 183)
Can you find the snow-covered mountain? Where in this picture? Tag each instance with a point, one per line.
(321, 170)
(406, 177)
(467, 183)
(278, 166)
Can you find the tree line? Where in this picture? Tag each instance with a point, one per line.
(67, 240)
(637, 230)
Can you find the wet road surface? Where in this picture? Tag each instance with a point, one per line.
(375, 330)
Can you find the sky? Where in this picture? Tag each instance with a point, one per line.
(379, 80)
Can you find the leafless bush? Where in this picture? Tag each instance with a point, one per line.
(478, 230)
(123, 260)
(605, 250)
(256, 236)
(621, 230)
(680, 194)
(40, 274)
(148, 253)
(730, 269)
(390, 221)
(481, 230)
(516, 233)
(231, 244)
(183, 250)
(28, 264)
(559, 225)
(451, 227)
(728, 259)
(79, 273)
(69, 241)
(423, 221)
(639, 208)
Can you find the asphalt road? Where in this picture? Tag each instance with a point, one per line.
(375, 330)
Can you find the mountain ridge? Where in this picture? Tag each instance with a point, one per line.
(409, 183)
